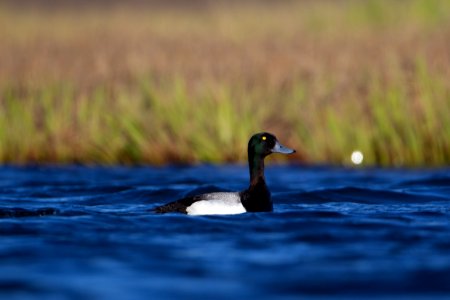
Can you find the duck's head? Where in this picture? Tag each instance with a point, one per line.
(264, 143)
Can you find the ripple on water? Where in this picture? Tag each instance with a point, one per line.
(87, 232)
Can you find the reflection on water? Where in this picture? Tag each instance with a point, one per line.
(86, 232)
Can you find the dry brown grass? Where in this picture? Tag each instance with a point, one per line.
(327, 77)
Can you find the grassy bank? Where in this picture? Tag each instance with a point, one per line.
(177, 84)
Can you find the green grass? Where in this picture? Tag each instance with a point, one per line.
(133, 126)
(191, 86)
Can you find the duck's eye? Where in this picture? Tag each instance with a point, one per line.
(264, 138)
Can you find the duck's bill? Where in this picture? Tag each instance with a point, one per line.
(278, 148)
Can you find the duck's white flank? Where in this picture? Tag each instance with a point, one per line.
(217, 204)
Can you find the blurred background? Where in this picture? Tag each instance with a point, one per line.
(190, 81)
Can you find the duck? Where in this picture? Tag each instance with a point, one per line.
(256, 198)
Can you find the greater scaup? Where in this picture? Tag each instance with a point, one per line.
(254, 199)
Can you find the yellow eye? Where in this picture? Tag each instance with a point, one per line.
(264, 138)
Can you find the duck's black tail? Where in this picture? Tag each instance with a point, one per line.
(178, 206)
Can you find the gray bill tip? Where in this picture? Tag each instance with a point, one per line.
(278, 148)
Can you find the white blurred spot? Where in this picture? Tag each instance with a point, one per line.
(357, 157)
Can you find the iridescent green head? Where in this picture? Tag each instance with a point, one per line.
(264, 143)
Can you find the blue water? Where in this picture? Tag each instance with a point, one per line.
(87, 233)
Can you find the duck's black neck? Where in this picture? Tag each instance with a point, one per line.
(257, 196)
(256, 165)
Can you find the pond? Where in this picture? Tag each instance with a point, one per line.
(78, 232)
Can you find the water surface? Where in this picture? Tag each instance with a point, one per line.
(87, 233)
